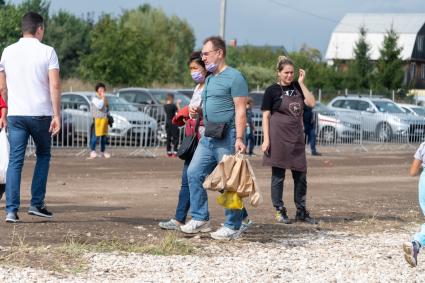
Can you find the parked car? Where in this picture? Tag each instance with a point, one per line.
(186, 91)
(151, 101)
(333, 126)
(129, 123)
(257, 117)
(415, 110)
(257, 98)
(380, 117)
(65, 135)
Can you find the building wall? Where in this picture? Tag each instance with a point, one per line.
(416, 68)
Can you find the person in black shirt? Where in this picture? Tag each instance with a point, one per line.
(170, 109)
(310, 129)
(284, 145)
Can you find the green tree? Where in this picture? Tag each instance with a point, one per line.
(39, 6)
(256, 63)
(319, 74)
(72, 46)
(361, 68)
(390, 71)
(142, 47)
(103, 62)
(10, 19)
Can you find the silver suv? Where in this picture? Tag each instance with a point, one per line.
(130, 125)
(380, 118)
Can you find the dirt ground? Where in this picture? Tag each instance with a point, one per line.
(125, 197)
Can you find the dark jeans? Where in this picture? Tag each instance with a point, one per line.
(172, 137)
(183, 203)
(93, 140)
(250, 142)
(20, 129)
(300, 188)
(310, 135)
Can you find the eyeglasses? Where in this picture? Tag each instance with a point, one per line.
(206, 54)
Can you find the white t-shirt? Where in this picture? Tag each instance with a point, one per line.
(420, 154)
(196, 99)
(26, 64)
(98, 102)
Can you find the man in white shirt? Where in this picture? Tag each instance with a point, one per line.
(30, 83)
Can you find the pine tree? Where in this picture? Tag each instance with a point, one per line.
(390, 71)
(361, 68)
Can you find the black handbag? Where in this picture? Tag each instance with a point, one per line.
(110, 118)
(215, 130)
(188, 146)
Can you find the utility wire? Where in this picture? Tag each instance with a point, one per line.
(279, 3)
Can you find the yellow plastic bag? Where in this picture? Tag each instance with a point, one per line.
(101, 126)
(230, 200)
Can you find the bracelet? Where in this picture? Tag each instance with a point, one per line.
(239, 138)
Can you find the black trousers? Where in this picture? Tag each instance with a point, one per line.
(2, 190)
(172, 137)
(300, 188)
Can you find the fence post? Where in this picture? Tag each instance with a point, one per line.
(346, 92)
(320, 95)
(394, 95)
(370, 93)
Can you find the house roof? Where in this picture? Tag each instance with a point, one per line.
(346, 33)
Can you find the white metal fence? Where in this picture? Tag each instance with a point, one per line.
(360, 129)
(144, 130)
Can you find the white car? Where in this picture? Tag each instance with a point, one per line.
(333, 126)
(129, 124)
(380, 118)
(416, 110)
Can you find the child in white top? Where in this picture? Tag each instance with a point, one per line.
(411, 249)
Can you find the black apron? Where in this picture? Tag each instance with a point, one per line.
(287, 145)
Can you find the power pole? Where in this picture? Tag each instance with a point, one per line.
(222, 18)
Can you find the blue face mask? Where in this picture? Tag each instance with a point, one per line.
(211, 67)
(198, 77)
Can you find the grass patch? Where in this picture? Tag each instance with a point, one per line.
(171, 244)
(70, 257)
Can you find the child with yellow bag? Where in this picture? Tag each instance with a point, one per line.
(99, 108)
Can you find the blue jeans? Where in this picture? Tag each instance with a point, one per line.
(183, 203)
(207, 155)
(250, 141)
(310, 133)
(20, 129)
(93, 141)
(420, 236)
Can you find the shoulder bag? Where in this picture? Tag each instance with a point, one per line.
(189, 143)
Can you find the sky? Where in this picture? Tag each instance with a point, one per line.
(260, 22)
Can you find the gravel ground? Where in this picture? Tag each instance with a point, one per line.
(330, 257)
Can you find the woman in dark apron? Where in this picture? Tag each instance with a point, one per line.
(284, 145)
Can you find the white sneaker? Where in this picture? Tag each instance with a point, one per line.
(171, 224)
(196, 226)
(93, 155)
(245, 225)
(105, 155)
(225, 233)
